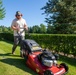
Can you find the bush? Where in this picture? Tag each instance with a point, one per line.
(57, 42)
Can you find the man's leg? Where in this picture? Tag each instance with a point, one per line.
(21, 46)
(16, 41)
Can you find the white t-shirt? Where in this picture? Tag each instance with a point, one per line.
(19, 23)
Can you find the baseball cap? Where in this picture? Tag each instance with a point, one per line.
(18, 13)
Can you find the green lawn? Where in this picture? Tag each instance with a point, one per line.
(15, 65)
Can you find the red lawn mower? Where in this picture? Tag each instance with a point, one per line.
(41, 61)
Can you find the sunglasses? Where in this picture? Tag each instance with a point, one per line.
(18, 15)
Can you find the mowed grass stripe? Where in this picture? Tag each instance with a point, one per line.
(12, 64)
(7, 47)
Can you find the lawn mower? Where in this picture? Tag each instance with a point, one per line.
(44, 62)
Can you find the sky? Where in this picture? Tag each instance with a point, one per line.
(31, 10)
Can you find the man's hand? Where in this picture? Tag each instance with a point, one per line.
(17, 28)
(25, 27)
(14, 27)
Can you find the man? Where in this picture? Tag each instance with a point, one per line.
(18, 25)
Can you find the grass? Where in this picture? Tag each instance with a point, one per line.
(15, 65)
(71, 62)
(12, 64)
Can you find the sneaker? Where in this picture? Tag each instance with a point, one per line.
(13, 53)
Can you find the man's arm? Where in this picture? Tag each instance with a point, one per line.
(25, 25)
(14, 27)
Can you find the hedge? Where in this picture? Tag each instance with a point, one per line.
(65, 43)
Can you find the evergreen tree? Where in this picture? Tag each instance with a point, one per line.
(2, 10)
(61, 14)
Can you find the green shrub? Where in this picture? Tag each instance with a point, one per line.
(57, 42)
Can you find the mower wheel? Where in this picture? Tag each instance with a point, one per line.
(65, 66)
(48, 72)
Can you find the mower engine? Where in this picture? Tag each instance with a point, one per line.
(48, 59)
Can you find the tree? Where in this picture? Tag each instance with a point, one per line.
(2, 10)
(61, 14)
(42, 28)
(0, 29)
(36, 29)
(50, 29)
(4, 29)
(30, 29)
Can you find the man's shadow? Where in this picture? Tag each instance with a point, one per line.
(17, 62)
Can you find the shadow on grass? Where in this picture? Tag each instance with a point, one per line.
(68, 60)
(8, 54)
(17, 62)
(7, 41)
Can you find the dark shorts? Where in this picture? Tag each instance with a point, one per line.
(17, 39)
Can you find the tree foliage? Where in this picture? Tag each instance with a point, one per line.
(38, 29)
(50, 29)
(4, 29)
(2, 10)
(61, 14)
(42, 28)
